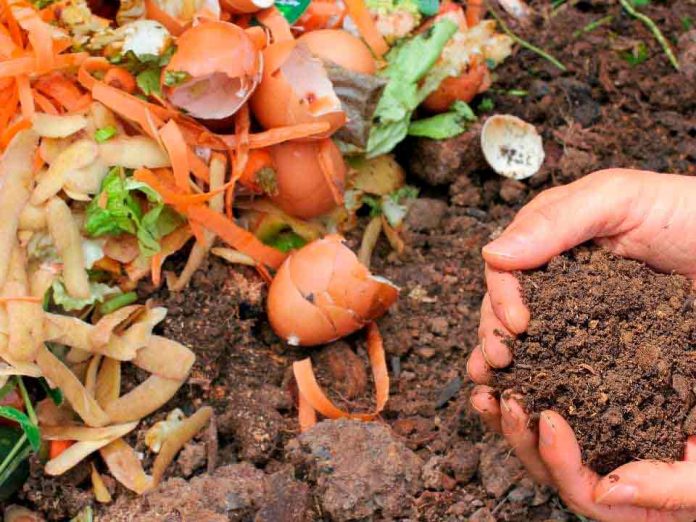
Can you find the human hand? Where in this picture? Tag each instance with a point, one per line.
(636, 214)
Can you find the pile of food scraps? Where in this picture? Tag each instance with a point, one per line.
(133, 131)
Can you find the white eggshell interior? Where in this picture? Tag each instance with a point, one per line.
(511, 146)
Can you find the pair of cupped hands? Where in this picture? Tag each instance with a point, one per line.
(636, 214)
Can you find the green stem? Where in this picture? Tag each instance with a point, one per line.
(13, 452)
(626, 4)
(27, 401)
(593, 25)
(525, 43)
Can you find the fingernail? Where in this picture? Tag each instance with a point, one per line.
(483, 352)
(473, 405)
(547, 435)
(516, 319)
(618, 494)
(506, 247)
(509, 418)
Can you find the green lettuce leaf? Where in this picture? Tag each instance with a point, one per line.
(97, 293)
(408, 64)
(116, 210)
(156, 224)
(445, 125)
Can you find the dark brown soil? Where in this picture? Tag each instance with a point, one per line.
(602, 112)
(610, 346)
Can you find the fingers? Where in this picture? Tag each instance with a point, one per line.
(690, 449)
(595, 206)
(515, 426)
(653, 484)
(493, 335)
(485, 403)
(478, 368)
(505, 300)
(561, 454)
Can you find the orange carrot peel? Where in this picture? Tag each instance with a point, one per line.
(362, 17)
(312, 399)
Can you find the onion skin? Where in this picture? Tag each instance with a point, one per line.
(309, 177)
(322, 292)
(342, 48)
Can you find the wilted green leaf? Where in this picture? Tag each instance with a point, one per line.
(30, 429)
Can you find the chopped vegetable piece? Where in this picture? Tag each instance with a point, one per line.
(105, 134)
(117, 302)
(445, 125)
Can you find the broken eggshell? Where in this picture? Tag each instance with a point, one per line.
(310, 177)
(322, 292)
(295, 89)
(511, 146)
(222, 67)
(342, 48)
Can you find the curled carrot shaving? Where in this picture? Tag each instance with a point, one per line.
(8, 110)
(316, 399)
(12, 24)
(335, 185)
(241, 154)
(306, 415)
(270, 137)
(176, 147)
(26, 99)
(44, 103)
(166, 188)
(39, 34)
(156, 268)
(12, 130)
(474, 12)
(198, 166)
(61, 89)
(121, 79)
(85, 74)
(27, 64)
(129, 107)
(276, 24)
(8, 46)
(234, 235)
(360, 14)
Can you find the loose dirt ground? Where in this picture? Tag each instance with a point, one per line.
(428, 457)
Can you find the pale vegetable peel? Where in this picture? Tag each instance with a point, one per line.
(179, 436)
(78, 451)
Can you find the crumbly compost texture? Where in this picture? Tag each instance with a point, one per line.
(610, 346)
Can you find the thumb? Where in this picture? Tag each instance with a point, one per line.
(594, 206)
(651, 484)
